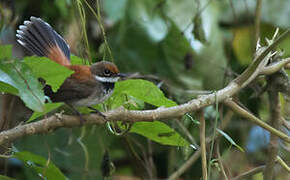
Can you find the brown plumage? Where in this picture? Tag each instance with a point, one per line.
(88, 85)
(56, 54)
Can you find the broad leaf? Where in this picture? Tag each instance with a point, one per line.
(6, 88)
(159, 132)
(143, 90)
(42, 166)
(53, 73)
(19, 76)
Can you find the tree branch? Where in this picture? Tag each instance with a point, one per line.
(185, 166)
(49, 124)
(274, 67)
(257, 20)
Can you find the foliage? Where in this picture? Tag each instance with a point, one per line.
(18, 75)
(43, 167)
(177, 47)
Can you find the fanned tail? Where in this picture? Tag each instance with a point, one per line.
(40, 39)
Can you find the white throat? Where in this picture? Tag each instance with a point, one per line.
(107, 79)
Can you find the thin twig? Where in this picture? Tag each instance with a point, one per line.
(196, 155)
(276, 66)
(201, 119)
(248, 174)
(220, 161)
(187, 133)
(185, 166)
(213, 138)
(247, 75)
(99, 19)
(83, 24)
(283, 164)
(258, 20)
(244, 113)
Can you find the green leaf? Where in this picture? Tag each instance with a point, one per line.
(143, 90)
(48, 107)
(6, 52)
(6, 178)
(41, 165)
(19, 76)
(230, 140)
(6, 88)
(77, 60)
(159, 132)
(53, 73)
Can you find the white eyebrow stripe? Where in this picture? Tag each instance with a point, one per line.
(107, 79)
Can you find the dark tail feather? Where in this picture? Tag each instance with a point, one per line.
(38, 37)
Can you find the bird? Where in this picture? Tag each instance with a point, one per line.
(87, 86)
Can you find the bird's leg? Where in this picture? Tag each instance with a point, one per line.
(82, 120)
(97, 112)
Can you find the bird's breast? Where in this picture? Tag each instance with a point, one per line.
(99, 95)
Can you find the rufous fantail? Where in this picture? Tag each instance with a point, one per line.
(87, 86)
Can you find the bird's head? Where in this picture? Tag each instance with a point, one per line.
(106, 72)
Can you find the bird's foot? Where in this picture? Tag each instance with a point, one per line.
(95, 111)
(80, 115)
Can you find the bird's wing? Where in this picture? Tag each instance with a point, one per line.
(40, 39)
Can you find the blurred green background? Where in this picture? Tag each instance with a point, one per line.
(183, 47)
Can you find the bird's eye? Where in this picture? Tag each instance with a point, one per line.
(107, 72)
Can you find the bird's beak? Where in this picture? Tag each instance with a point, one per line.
(121, 75)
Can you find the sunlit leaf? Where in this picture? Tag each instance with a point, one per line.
(44, 167)
(159, 132)
(53, 73)
(143, 90)
(19, 76)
